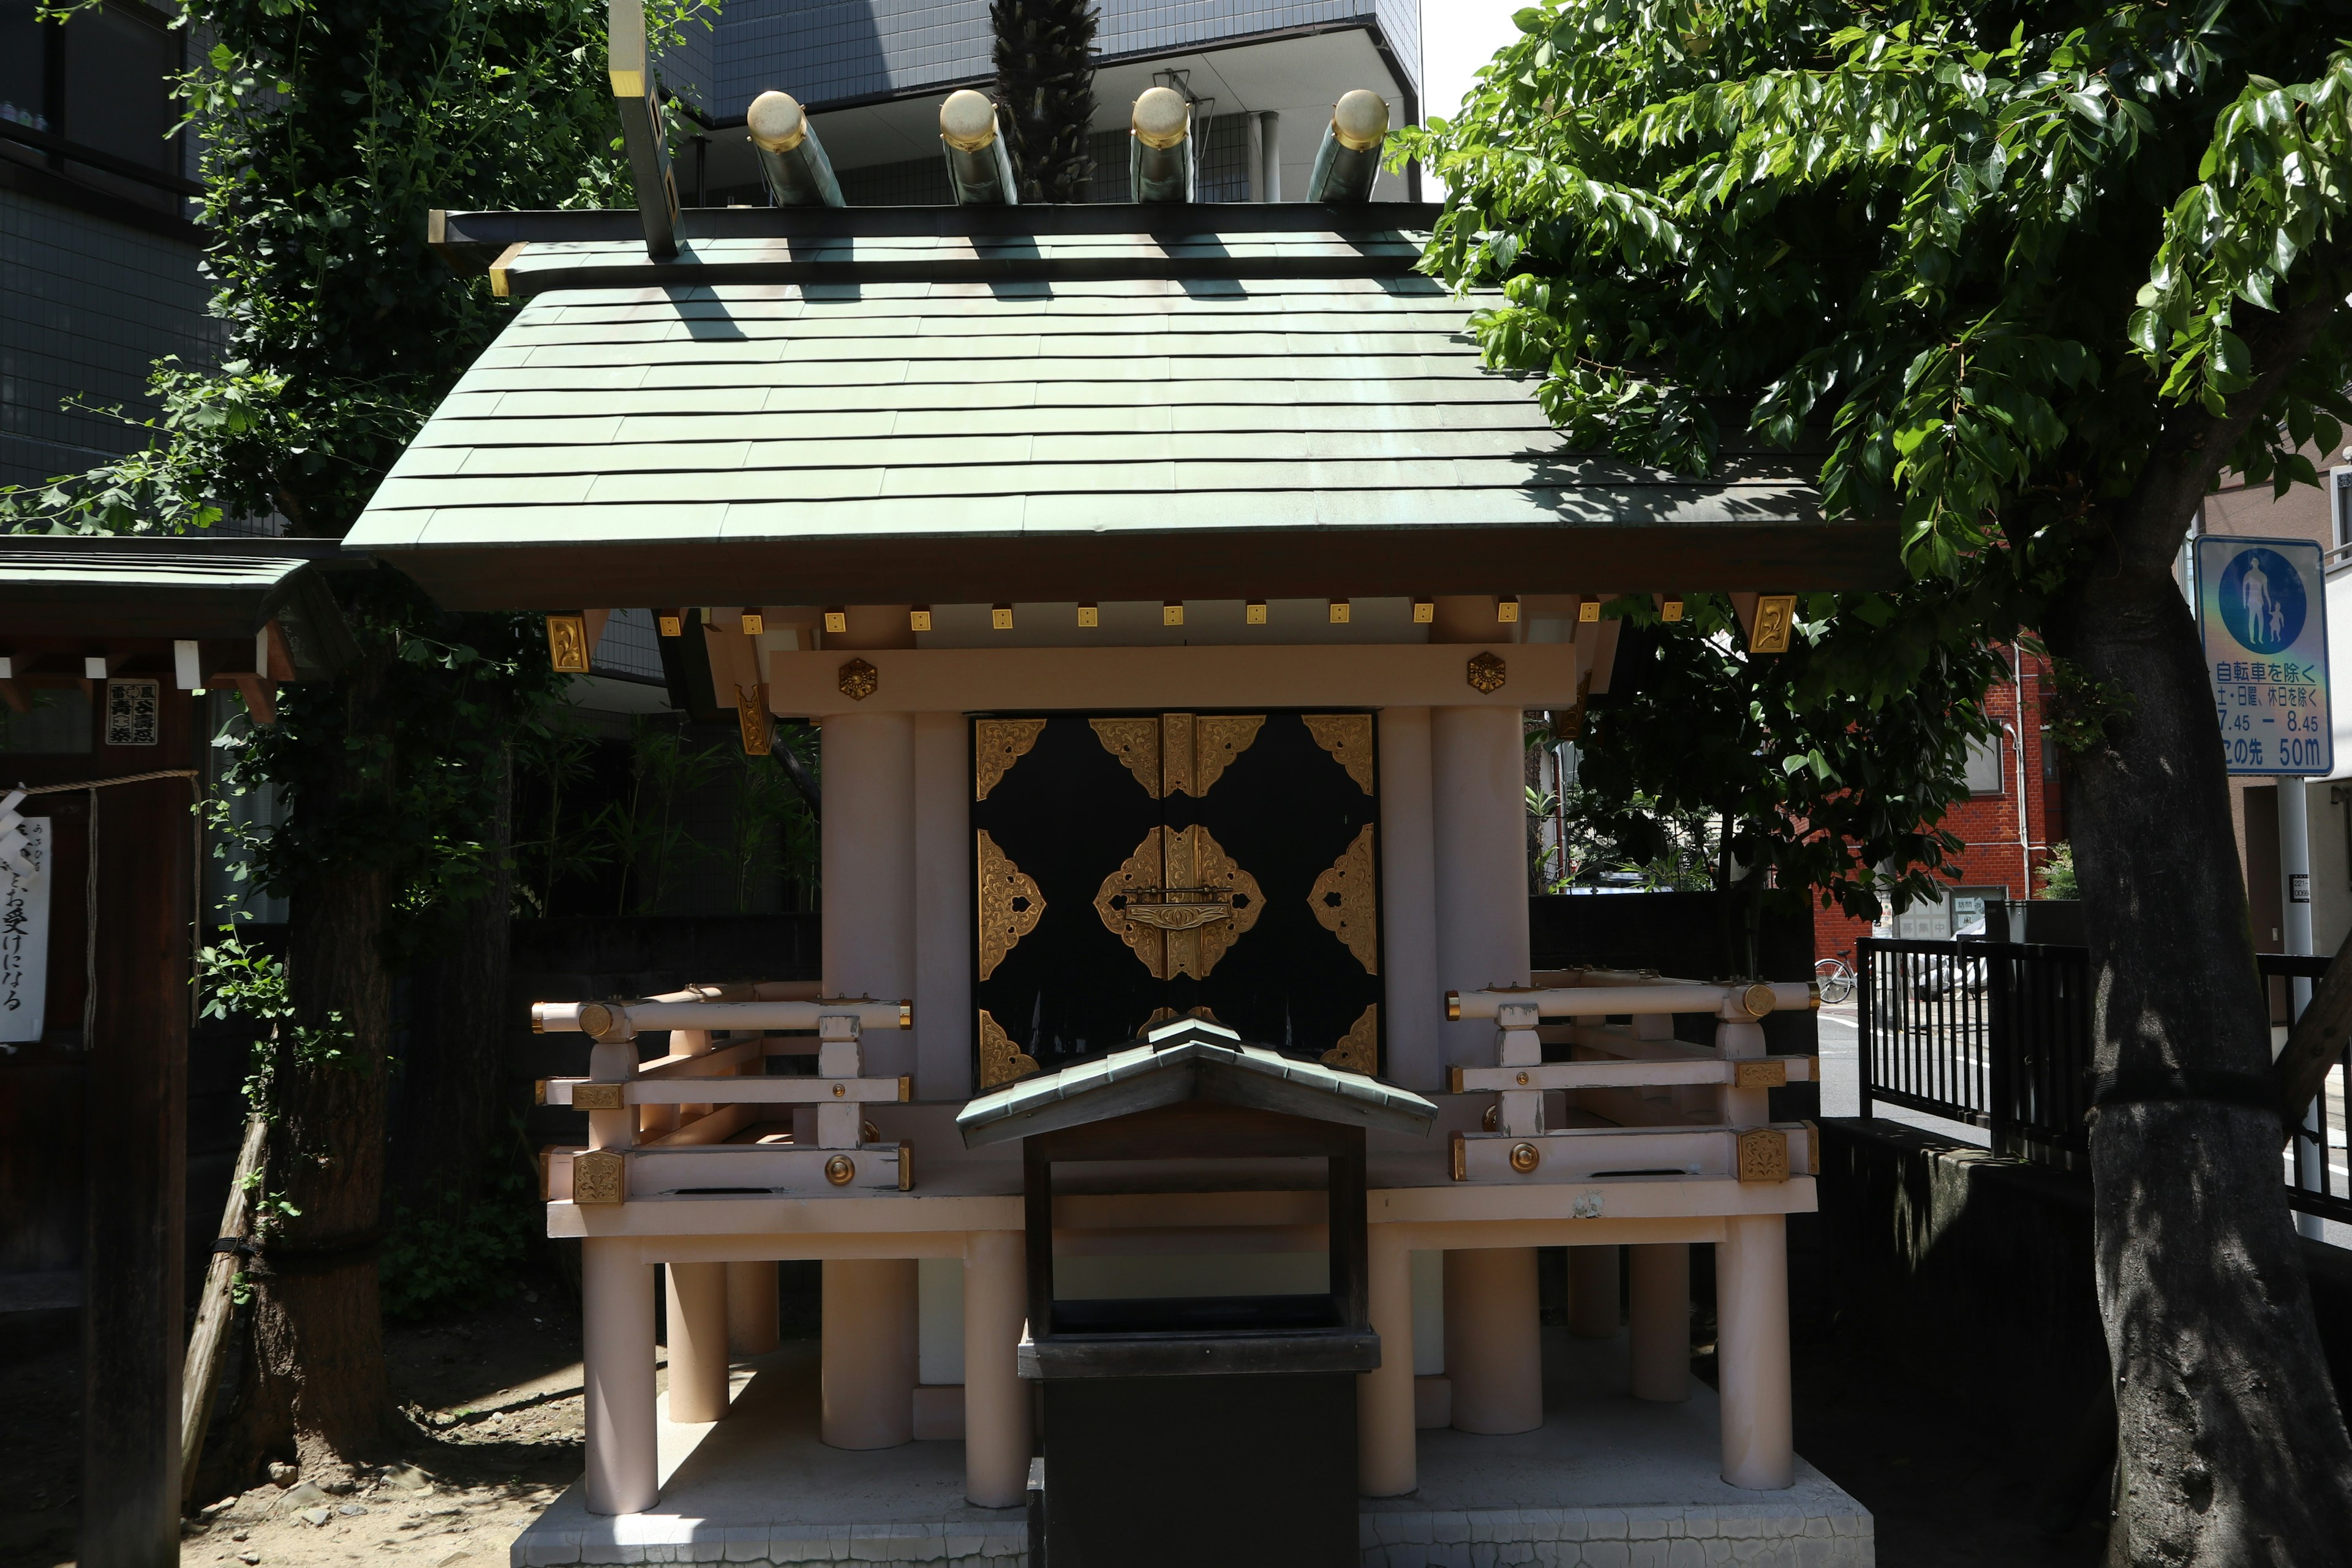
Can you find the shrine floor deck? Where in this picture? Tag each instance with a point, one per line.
(1606, 1480)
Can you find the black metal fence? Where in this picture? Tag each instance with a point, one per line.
(2317, 1182)
(1997, 1035)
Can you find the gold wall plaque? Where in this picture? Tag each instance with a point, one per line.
(567, 644)
(1486, 673)
(860, 681)
(1776, 618)
(1358, 1049)
(1755, 1074)
(597, 1097)
(1346, 901)
(996, 745)
(752, 719)
(1764, 1154)
(1135, 742)
(1349, 737)
(1001, 1062)
(599, 1176)
(1010, 904)
(1190, 901)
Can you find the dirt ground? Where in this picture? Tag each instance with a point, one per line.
(491, 1436)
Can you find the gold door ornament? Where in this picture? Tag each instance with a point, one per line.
(1358, 1049)
(1179, 754)
(1346, 901)
(996, 745)
(1179, 902)
(1349, 737)
(1010, 904)
(1001, 1061)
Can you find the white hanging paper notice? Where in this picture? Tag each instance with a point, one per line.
(25, 931)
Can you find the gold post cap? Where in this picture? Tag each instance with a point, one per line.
(967, 120)
(905, 1015)
(1756, 1000)
(1453, 1007)
(1161, 118)
(1361, 119)
(777, 122)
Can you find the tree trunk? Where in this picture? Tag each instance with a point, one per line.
(450, 1112)
(315, 1385)
(2232, 1447)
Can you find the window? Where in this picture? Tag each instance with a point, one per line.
(1985, 774)
(92, 100)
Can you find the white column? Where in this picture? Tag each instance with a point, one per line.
(1416, 1007)
(1737, 1036)
(751, 1309)
(2294, 861)
(1478, 801)
(1658, 1305)
(995, 1401)
(698, 1341)
(1387, 1463)
(616, 1333)
(1751, 1285)
(869, 870)
(1494, 1339)
(870, 1352)
(1592, 1292)
(943, 907)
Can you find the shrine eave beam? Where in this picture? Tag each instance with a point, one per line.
(562, 573)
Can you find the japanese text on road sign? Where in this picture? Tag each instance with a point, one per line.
(2262, 610)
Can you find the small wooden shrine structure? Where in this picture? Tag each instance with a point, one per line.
(104, 645)
(1169, 584)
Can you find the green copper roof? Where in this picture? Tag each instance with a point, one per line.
(1189, 1060)
(808, 409)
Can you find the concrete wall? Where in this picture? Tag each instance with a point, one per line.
(1975, 1273)
(88, 306)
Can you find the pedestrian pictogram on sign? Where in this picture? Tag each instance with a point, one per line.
(2262, 609)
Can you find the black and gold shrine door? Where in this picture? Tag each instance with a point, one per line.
(1140, 865)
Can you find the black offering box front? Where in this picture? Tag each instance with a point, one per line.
(1198, 1429)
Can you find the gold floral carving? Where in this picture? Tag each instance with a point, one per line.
(1486, 673)
(752, 719)
(1010, 905)
(1349, 737)
(1217, 739)
(1346, 901)
(1136, 742)
(1763, 1155)
(1358, 1049)
(1776, 617)
(1179, 902)
(599, 1176)
(996, 745)
(860, 681)
(567, 644)
(1001, 1061)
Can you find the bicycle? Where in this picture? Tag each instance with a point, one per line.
(1835, 979)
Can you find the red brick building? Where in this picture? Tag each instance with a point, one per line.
(2015, 811)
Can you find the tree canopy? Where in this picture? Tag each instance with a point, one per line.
(2024, 279)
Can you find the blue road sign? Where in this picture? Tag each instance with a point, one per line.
(2262, 610)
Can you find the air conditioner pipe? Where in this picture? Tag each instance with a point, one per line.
(1160, 153)
(792, 159)
(1349, 157)
(979, 168)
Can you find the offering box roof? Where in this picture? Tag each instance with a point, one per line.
(191, 587)
(957, 405)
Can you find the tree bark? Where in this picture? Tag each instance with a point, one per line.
(315, 1384)
(2232, 1445)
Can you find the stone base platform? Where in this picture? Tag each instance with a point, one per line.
(1607, 1482)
